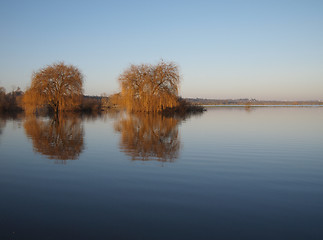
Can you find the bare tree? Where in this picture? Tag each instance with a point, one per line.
(57, 86)
(150, 88)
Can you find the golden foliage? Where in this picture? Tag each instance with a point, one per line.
(57, 86)
(59, 138)
(149, 88)
(149, 136)
(114, 100)
(30, 101)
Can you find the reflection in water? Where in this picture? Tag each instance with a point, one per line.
(58, 138)
(149, 137)
(15, 118)
(2, 124)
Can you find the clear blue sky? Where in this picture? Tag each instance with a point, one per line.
(225, 49)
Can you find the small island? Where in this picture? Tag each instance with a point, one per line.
(59, 88)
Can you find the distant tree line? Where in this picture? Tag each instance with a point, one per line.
(12, 101)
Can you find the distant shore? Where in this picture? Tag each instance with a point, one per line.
(250, 102)
(268, 105)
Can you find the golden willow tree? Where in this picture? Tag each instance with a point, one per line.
(149, 88)
(58, 87)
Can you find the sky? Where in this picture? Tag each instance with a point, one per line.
(268, 50)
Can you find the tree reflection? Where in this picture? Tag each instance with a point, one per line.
(149, 136)
(2, 124)
(60, 138)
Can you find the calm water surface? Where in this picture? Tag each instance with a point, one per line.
(230, 173)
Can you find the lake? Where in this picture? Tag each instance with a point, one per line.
(229, 173)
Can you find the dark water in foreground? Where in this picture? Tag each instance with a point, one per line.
(230, 173)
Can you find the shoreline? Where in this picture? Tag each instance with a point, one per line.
(261, 105)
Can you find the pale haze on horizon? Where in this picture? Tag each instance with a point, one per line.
(268, 50)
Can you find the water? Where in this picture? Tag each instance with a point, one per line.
(230, 173)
